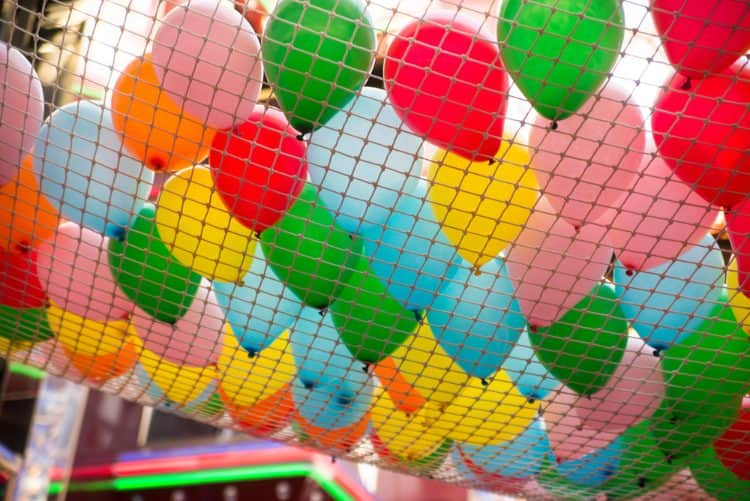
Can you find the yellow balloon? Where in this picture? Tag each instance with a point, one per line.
(8, 346)
(86, 337)
(428, 368)
(482, 206)
(180, 383)
(408, 436)
(199, 230)
(738, 301)
(247, 380)
(482, 415)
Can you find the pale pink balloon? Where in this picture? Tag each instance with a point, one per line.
(553, 265)
(74, 270)
(51, 355)
(659, 219)
(195, 339)
(207, 58)
(682, 486)
(586, 164)
(633, 394)
(21, 110)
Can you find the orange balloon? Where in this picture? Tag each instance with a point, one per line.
(26, 217)
(154, 129)
(341, 439)
(103, 367)
(265, 417)
(405, 397)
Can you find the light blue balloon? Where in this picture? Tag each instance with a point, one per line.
(476, 318)
(669, 302)
(594, 468)
(261, 308)
(85, 171)
(362, 159)
(410, 254)
(332, 405)
(521, 457)
(529, 375)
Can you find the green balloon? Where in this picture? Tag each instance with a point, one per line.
(584, 347)
(431, 463)
(148, 273)
(317, 54)
(371, 323)
(559, 52)
(309, 252)
(24, 324)
(714, 478)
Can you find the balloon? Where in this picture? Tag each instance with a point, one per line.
(701, 130)
(594, 468)
(528, 374)
(264, 418)
(148, 274)
(194, 339)
(20, 286)
(26, 217)
(247, 380)
(553, 266)
(24, 324)
(551, 479)
(738, 227)
(317, 56)
(9, 348)
(659, 219)
(84, 172)
(738, 301)
(468, 470)
(702, 37)
(445, 79)
(713, 477)
(85, 336)
(409, 254)
(669, 302)
(260, 307)
(371, 323)
(484, 414)
(103, 366)
(153, 127)
(331, 405)
(733, 446)
(404, 396)
(207, 59)
(259, 168)
(588, 164)
(342, 439)
(559, 52)
(362, 159)
(476, 320)
(482, 206)
(310, 253)
(199, 231)
(181, 384)
(584, 348)
(21, 110)
(424, 466)
(74, 270)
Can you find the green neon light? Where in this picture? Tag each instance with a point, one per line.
(333, 488)
(26, 370)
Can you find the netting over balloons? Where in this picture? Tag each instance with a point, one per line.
(501, 245)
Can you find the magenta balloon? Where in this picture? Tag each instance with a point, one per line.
(553, 266)
(659, 219)
(589, 162)
(633, 394)
(207, 58)
(195, 339)
(21, 110)
(73, 268)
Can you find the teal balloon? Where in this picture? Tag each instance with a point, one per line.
(410, 254)
(669, 302)
(529, 375)
(714, 478)
(85, 171)
(476, 318)
(594, 468)
(362, 159)
(499, 483)
(332, 405)
(260, 308)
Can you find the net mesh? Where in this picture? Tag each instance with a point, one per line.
(498, 244)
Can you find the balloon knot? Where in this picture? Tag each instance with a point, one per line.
(477, 272)
(673, 419)
(553, 125)
(485, 382)
(366, 368)
(641, 482)
(491, 161)
(657, 352)
(300, 137)
(669, 459)
(308, 385)
(333, 459)
(23, 247)
(533, 328)
(630, 272)
(531, 400)
(577, 227)
(252, 353)
(322, 312)
(418, 315)
(157, 163)
(686, 84)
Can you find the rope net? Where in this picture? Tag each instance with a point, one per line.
(500, 245)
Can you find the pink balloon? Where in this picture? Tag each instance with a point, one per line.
(207, 58)
(738, 226)
(74, 269)
(659, 219)
(195, 339)
(553, 266)
(633, 394)
(589, 162)
(21, 110)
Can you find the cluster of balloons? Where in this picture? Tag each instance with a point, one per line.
(553, 315)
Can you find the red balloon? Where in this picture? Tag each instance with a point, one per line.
(702, 131)
(703, 36)
(733, 447)
(445, 79)
(738, 227)
(19, 281)
(259, 168)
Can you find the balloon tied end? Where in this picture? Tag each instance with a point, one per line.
(630, 272)
(657, 352)
(686, 84)
(366, 368)
(477, 271)
(307, 385)
(553, 125)
(23, 247)
(485, 382)
(252, 353)
(322, 312)
(333, 459)
(300, 137)
(531, 400)
(157, 163)
(533, 328)
(641, 482)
